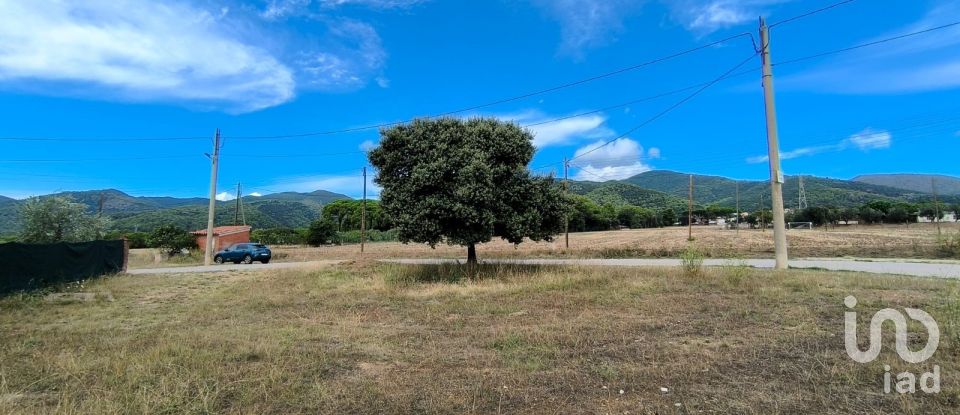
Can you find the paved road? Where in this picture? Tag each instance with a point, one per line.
(230, 267)
(915, 269)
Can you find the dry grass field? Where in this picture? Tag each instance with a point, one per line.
(880, 241)
(379, 338)
(889, 241)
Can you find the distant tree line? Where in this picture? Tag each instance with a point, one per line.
(875, 212)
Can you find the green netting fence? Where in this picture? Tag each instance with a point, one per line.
(32, 266)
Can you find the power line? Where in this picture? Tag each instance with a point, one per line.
(98, 159)
(513, 98)
(811, 13)
(388, 124)
(864, 45)
(670, 108)
(100, 139)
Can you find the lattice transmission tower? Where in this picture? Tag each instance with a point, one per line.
(802, 202)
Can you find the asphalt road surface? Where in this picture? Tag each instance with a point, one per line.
(936, 269)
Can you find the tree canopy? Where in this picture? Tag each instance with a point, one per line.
(171, 239)
(464, 182)
(58, 219)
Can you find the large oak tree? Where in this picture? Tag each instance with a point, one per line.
(464, 182)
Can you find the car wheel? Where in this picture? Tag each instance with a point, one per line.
(218, 259)
(265, 261)
(247, 259)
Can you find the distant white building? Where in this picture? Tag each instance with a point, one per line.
(947, 217)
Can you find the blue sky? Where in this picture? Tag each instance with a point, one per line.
(100, 76)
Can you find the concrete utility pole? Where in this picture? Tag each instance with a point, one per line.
(690, 212)
(566, 189)
(363, 211)
(212, 207)
(236, 210)
(773, 148)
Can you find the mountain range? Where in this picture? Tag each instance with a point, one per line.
(924, 183)
(137, 213)
(658, 189)
(669, 189)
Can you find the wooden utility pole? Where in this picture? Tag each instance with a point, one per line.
(773, 149)
(690, 212)
(738, 207)
(212, 206)
(936, 206)
(363, 211)
(763, 224)
(566, 190)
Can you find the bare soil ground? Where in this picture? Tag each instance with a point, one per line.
(379, 338)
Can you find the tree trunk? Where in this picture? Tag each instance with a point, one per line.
(471, 254)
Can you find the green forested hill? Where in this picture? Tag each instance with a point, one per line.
(709, 190)
(260, 214)
(620, 193)
(654, 189)
(129, 213)
(921, 183)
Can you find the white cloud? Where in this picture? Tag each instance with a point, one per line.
(560, 132)
(620, 159)
(352, 54)
(225, 196)
(653, 153)
(868, 139)
(383, 82)
(256, 194)
(367, 145)
(180, 52)
(140, 51)
(278, 9)
(597, 174)
(706, 16)
(587, 23)
(374, 4)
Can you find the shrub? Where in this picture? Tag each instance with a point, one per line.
(279, 236)
(691, 259)
(321, 232)
(949, 246)
(353, 237)
(171, 239)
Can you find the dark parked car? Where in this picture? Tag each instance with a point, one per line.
(246, 253)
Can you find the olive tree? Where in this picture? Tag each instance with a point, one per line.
(464, 182)
(58, 219)
(171, 239)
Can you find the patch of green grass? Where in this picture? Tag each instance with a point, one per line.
(523, 353)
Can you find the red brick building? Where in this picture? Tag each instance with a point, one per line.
(223, 236)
